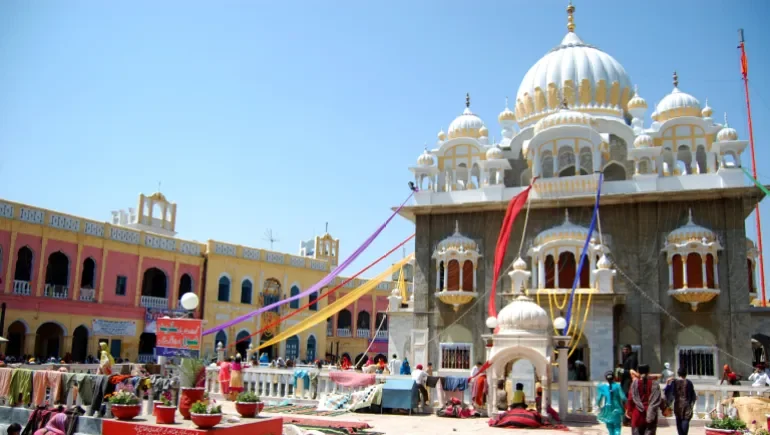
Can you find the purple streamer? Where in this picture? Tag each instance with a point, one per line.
(319, 285)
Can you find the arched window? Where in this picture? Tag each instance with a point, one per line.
(441, 283)
(546, 165)
(694, 270)
(57, 270)
(362, 322)
(292, 348)
(246, 292)
(710, 271)
(614, 172)
(88, 275)
(382, 321)
(185, 285)
(585, 274)
(310, 352)
(313, 301)
(453, 276)
(467, 276)
(221, 338)
(344, 319)
(550, 272)
(224, 289)
(700, 158)
(155, 283)
(684, 155)
(566, 269)
(676, 264)
(294, 292)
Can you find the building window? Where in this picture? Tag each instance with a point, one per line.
(313, 301)
(699, 361)
(292, 348)
(120, 285)
(246, 292)
(294, 292)
(224, 290)
(455, 356)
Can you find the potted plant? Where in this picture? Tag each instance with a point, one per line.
(725, 426)
(165, 410)
(205, 417)
(124, 404)
(248, 404)
(192, 375)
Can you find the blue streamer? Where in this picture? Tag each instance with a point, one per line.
(568, 316)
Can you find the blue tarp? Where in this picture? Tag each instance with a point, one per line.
(399, 394)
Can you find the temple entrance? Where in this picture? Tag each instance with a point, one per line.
(48, 341)
(17, 332)
(80, 344)
(270, 351)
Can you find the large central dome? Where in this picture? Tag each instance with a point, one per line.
(589, 79)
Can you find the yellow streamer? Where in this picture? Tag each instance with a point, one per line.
(582, 328)
(402, 285)
(336, 306)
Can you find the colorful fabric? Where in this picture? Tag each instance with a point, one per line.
(5, 381)
(611, 402)
(479, 390)
(236, 382)
(317, 286)
(304, 375)
(41, 382)
(372, 395)
(454, 383)
(514, 207)
(455, 408)
(644, 402)
(20, 391)
(55, 426)
(336, 306)
(518, 418)
(352, 379)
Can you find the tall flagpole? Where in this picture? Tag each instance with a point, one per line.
(745, 74)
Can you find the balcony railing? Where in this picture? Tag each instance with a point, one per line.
(329, 331)
(146, 358)
(56, 291)
(154, 302)
(21, 288)
(87, 295)
(382, 334)
(344, 332)
(363, 333)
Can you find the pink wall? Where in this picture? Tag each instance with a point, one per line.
(5, 255)
(119, 263)
(29, 303)
(68, 249)
(35, 244)
(382, 304)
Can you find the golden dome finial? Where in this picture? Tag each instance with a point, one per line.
(468, 100)
(676, 80)
(570, 18)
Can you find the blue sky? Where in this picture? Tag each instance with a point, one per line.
(287, 115)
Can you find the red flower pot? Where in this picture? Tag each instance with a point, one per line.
(260, 407)
(710, 431)
(189, 396)
(165, 414)
(125, 412)
(247, 409)
(206, 421)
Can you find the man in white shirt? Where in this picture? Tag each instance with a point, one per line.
(395, 365)
(420, 377)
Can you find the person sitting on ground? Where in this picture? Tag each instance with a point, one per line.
(502, 396)
(14, 429)
(519, 400)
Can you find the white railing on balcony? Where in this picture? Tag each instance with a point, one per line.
(87, 295)
(21, 288)
(56, 291)
(277, 385)
(343, 332)
(363, 333)
(382, 334)
(154, 302)
(146, 358)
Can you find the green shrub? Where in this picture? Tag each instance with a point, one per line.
(248, 397)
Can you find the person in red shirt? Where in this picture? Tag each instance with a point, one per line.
(644, 400)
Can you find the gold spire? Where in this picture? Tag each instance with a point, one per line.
(468, 100)
(570, 18)
(676, 80)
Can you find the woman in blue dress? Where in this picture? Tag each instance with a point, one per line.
(611, 402)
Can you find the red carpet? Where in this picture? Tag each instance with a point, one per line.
(350, 426)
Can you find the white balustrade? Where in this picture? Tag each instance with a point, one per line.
(154, 302)
(56, 291)
(362, 333)
(87, 295)
(344, 332)
(382, 334)
(21, 288)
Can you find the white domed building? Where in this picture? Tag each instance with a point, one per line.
(664, 163)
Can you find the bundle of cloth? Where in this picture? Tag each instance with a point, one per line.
(455, 408)
(53, 421)
(355, 401)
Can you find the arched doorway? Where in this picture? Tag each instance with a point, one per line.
(220, 338)
(270, 351)
(242, 346)
(185, 285)
(48, 340)
(344, 321)
(271, 293)
(155, 284)
(147, 343)
(57, 275)
(310, 354)
(292, 348)
(17, 332)
(88, 275)
(79, 344)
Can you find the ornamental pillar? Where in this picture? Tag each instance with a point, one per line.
(474, 277)
(703, 271)
(438, 275)
(684, 272)
(446, 276)
(540, 273)
(460, 284)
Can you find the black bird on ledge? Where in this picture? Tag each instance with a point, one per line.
(413, 187)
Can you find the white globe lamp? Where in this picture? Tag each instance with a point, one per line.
(491, 322)
(560, 323)
(189, 301)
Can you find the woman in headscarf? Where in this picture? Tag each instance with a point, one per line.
(105, 361)
(643, 403)
(56, 426)
(263, 359)
(611, 402)
(405, 369)
(236, 377)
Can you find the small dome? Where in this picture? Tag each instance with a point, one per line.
(707, 111)
(522, 314)
(564, 117)
(457, 241)
(727, 133)
(467, 124)
(636, 102)
(507, 114)
(441, 135)
(565, 231)
(604, 262)
(495, 153)
(425, 159)
(519, 264)
(643, 141)
(483, 131)
(677, 104)
(691, 232)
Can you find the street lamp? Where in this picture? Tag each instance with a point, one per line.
(560, 323)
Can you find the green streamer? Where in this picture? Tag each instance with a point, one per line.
(756, 182)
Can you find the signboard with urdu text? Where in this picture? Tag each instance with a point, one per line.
(178, 337)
